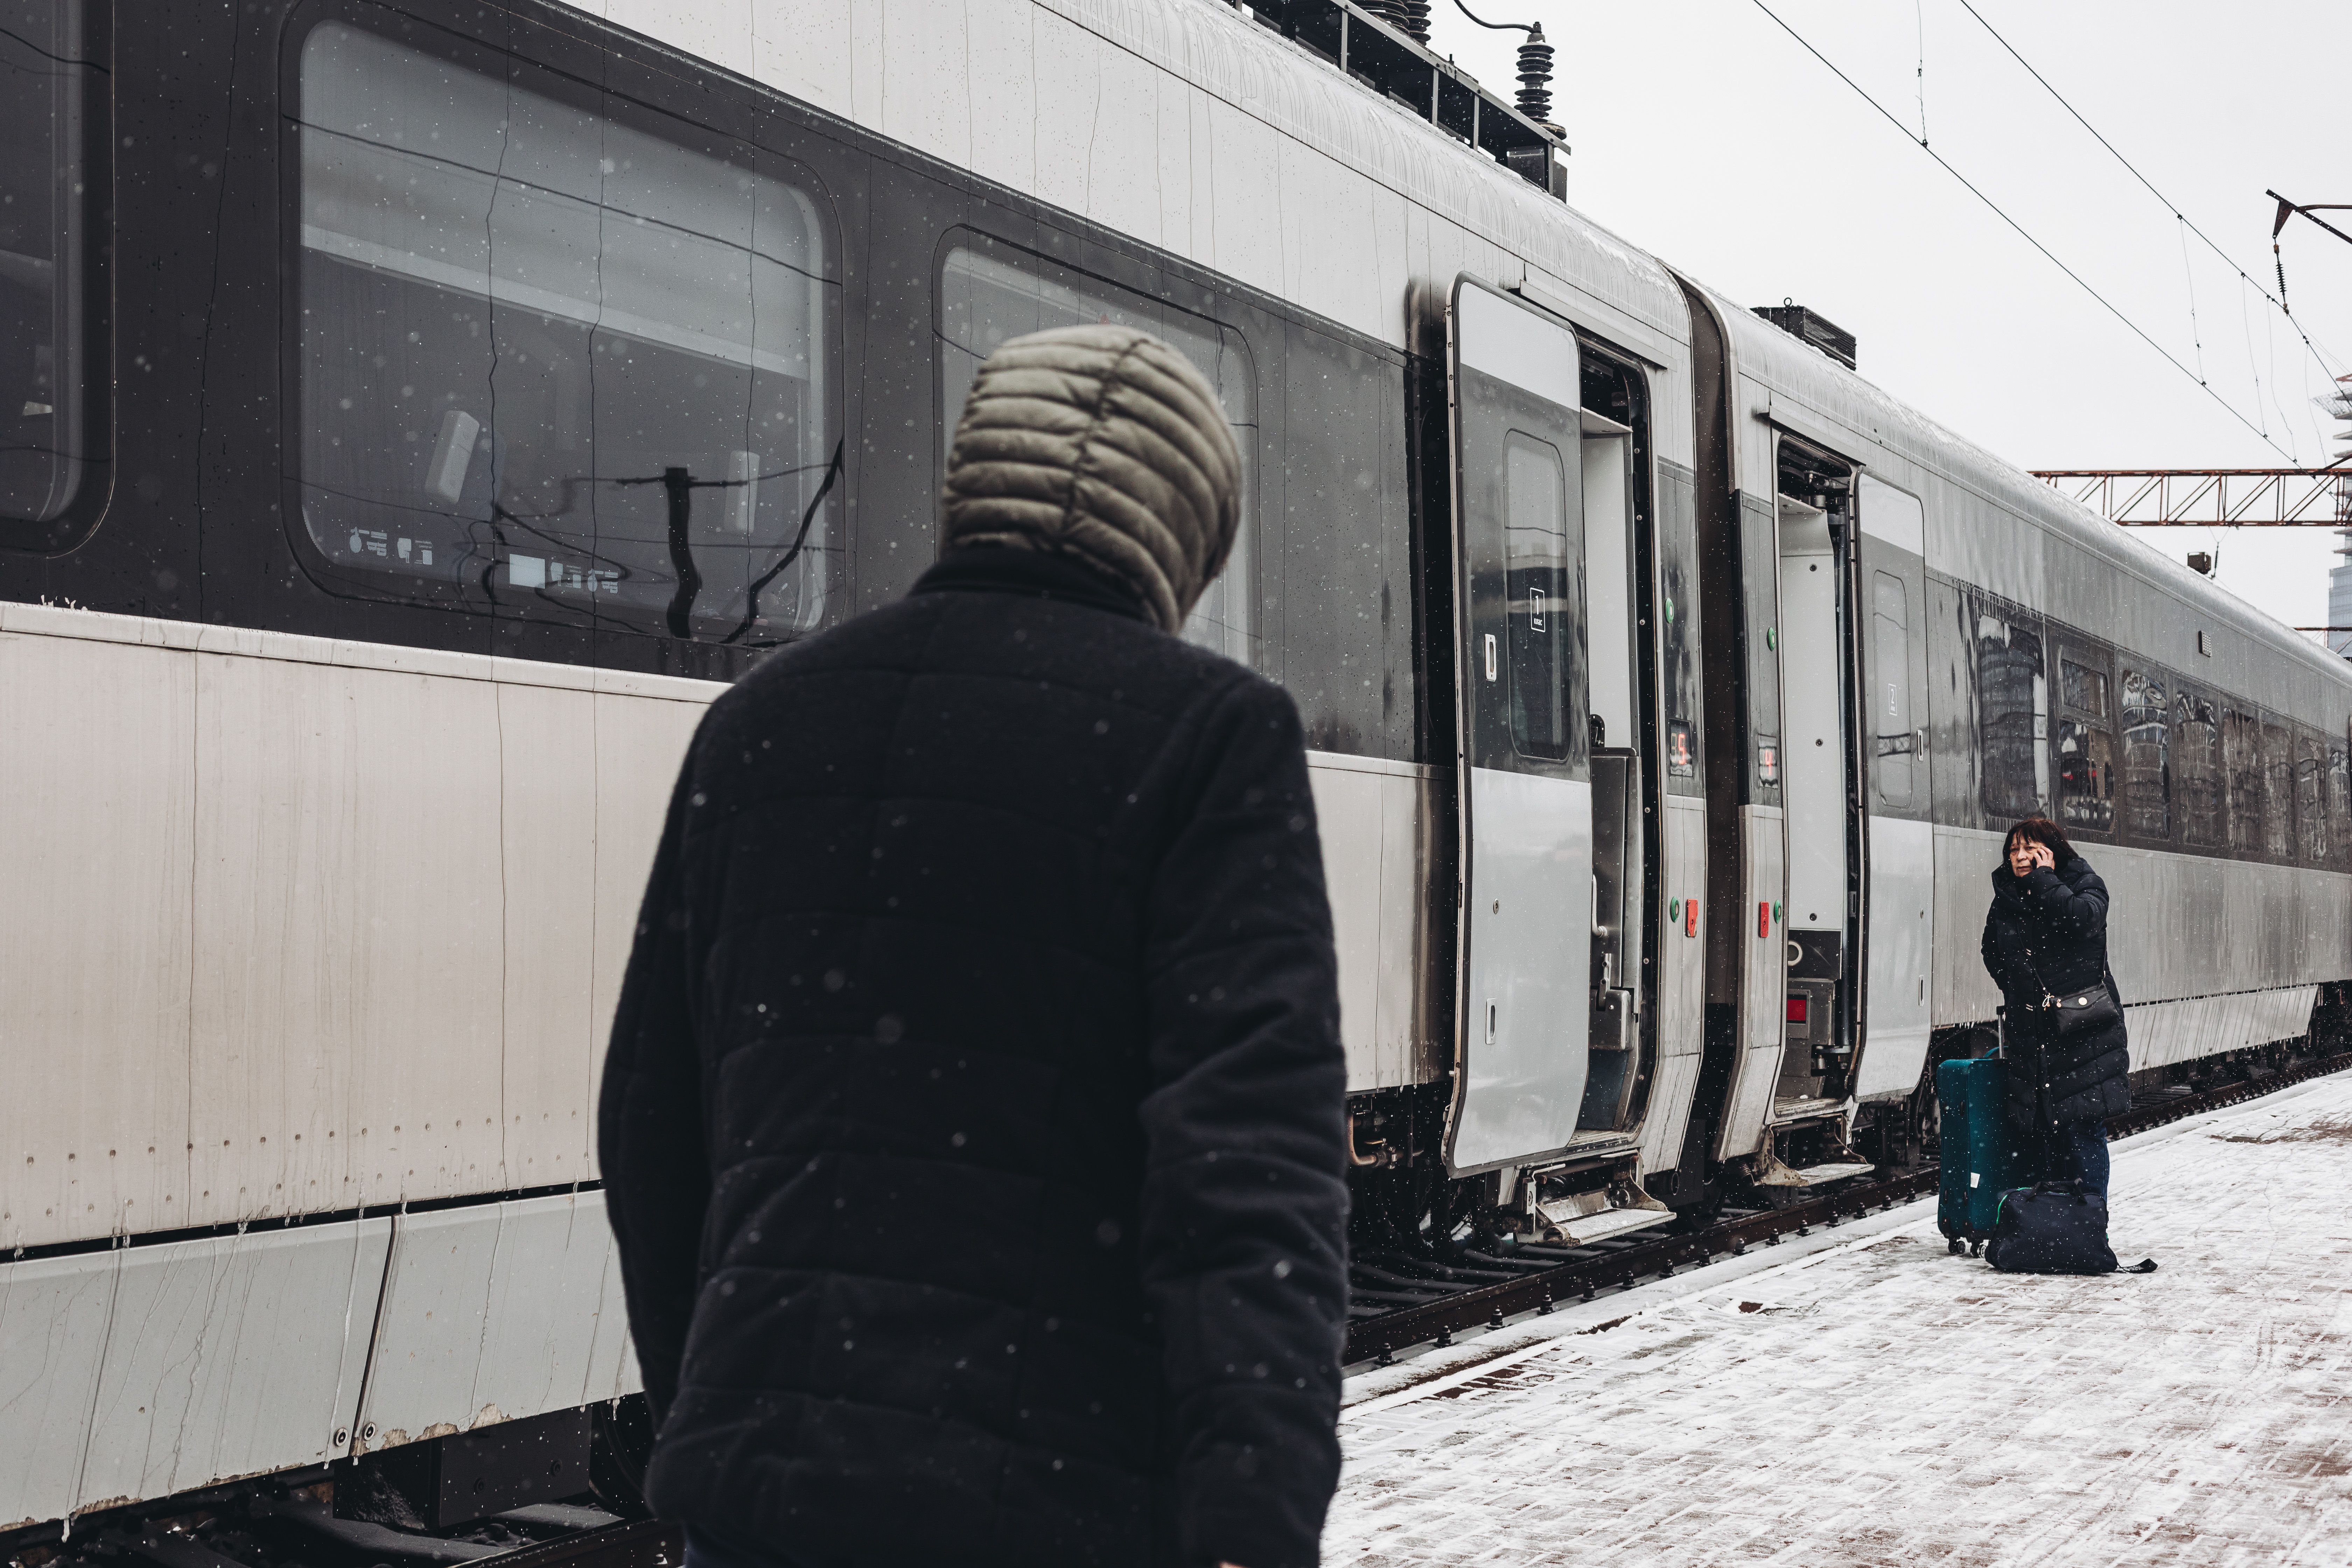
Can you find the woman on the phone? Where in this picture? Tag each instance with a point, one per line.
(2046, 934)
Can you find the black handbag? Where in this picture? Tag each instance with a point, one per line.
(2053, 1227)
(2078, 1014)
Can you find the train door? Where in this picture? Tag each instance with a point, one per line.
(1900, 939)
(1524, 766)
(1622, 805)
(1824, 806)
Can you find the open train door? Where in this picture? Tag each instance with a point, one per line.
(1523, 757)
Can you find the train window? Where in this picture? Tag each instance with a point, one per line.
(2083, 689)
(1346, 561)
(2339, 807)
(1538, 557)
(52, 93)
(2311, 800)
(2147, 761)
(555, 365)
(2013, 714)
(2202, 792)
(1896, 742)
(1676, 546)
(2085, 777)
(2087, 749)
(2278, 792)
(990, 293)
(2242, 780)
(1759, 551)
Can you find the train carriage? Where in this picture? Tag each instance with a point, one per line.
(428, 406)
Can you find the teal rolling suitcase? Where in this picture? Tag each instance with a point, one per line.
(1974, 1161)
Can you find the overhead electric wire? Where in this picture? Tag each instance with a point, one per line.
(2023, 233)
(2170, 206)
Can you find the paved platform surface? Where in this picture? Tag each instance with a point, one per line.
(1881, 1402)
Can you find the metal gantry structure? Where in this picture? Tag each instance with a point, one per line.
(2212, 497)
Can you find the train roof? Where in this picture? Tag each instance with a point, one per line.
(1503, 226)
(1797, 376)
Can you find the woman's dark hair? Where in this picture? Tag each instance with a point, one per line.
(2037, 830)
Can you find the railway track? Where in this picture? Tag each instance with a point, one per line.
(1398, 1301)
(290, 1522)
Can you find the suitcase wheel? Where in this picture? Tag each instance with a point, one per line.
(1976, 1249)
(1959, 1246)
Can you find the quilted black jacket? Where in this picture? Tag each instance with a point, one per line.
(972, 1128)
(2053, 924)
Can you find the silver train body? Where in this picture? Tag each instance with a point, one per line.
(1670, 683)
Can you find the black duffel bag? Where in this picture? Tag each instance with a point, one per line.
(2053, 1227)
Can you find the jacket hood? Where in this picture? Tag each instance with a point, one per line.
(1103, 442)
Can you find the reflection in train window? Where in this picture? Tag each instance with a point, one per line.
(1539, 558)
(2198, 772)
(990, 292)
(2084, 690)
(2278, 792)
(2242, 780)
(2339, 807)
(2311, 800)
(552, 364)
(1894, 743)
(2148, 763)
(2086, 775)
(2014, 717)
(2087, 749)
(46, 447)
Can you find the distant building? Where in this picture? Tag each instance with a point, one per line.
(2340, 579)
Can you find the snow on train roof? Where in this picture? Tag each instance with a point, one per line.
(1376, 150)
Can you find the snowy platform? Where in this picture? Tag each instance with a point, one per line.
(1875, 1401)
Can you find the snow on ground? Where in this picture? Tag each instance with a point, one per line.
(1883, 1402)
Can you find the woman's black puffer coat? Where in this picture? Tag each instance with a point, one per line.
(2053, 924)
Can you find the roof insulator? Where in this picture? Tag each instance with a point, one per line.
(1535, 77)
(1410, 17)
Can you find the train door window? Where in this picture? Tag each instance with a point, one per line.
(2339, 807)
(2147, 760)
(2202, 788)
(1896, 744)
(1759, 550)
(2013, 716)
(2086, 745)
(53, 431)
(560, 359)
(990, 293)
(2311, 822)
(2278, 792)
(1538, 560)
(2242, 780)
(1610, 555)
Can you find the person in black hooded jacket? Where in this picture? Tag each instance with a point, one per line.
(2047, 933)
(972, 1127)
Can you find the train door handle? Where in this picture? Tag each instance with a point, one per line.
(1490, 1020)
(1491, 668)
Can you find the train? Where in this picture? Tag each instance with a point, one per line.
(1669, 686)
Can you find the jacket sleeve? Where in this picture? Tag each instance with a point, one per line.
(649, 1122)
(2007, 974)
(1244, 1199)
(2076, 911)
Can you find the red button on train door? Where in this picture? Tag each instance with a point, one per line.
(1690, 917)
(1764, 918)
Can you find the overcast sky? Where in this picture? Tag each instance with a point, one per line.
(1705, 133)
